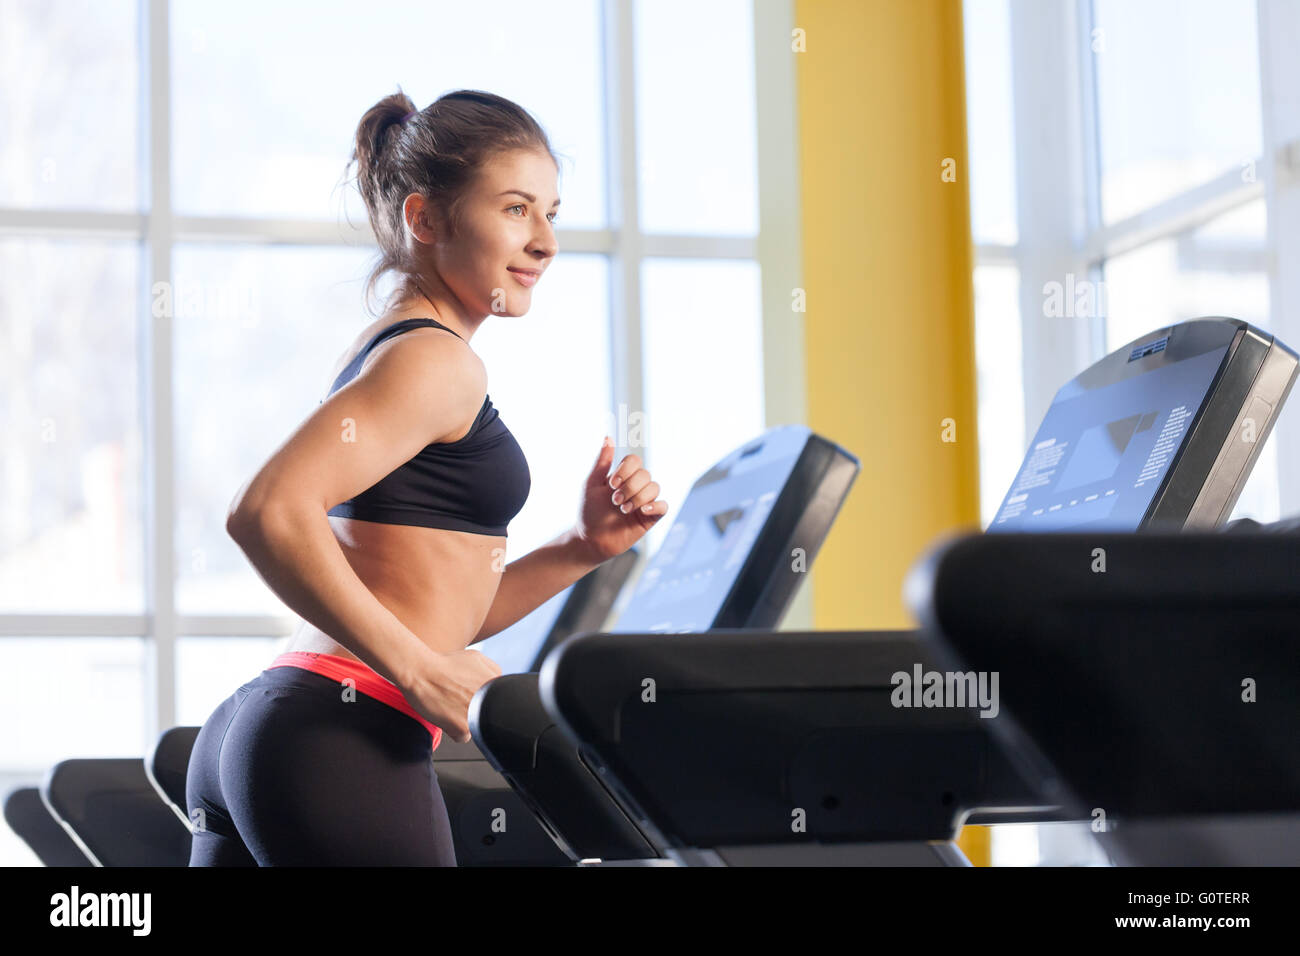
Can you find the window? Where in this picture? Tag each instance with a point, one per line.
(71, 520)
(1001, 400)
(990, 131)
(77, 697)
(1177, 97)
(280, 104)
(697, 168)
(704, 366)
(70, 75)
(1179, 123)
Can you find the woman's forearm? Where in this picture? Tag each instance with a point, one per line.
(294, 550)
(529, 582)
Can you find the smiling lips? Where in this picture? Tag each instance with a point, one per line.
(527, 277)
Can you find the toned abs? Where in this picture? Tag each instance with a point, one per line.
(439, 583)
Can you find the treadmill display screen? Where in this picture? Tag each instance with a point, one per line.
(684, 585)
(1101, 453)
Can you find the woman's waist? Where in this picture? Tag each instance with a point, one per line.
(349, 671)
(444, 630)
(444, 608)
(442, 602)
(407, 559)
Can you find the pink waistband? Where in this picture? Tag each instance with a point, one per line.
(364, 679)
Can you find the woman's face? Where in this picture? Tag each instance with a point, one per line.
(506, 223)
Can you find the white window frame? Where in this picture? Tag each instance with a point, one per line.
(776, 250)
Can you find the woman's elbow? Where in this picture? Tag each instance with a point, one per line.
(254, 523)
(242, 512)
(249, 520)
(240, 525)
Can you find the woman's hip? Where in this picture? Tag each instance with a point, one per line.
(290, 708)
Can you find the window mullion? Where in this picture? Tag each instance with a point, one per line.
(1279, 34)
(1049, 187)
(619, 72)
(159, 497)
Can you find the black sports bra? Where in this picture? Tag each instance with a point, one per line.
(476, 484)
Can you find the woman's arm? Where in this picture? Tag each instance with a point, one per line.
(293, 549)
(529, 582)
(416, 389)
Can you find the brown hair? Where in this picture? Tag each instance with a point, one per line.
(436, 153)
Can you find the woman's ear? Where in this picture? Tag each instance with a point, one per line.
(415, 213)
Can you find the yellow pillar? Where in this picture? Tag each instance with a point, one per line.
(889, 327)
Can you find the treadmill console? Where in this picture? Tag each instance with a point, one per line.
(725, 561)
(1161, 433)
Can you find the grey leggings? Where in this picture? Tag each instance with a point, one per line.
(288, 772)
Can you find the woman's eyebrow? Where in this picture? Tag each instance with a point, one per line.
(529, 196)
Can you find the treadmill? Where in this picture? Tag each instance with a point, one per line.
(31, 820)
(112, 813)
(1159, 699)
(789, 748)
(1172, 770)
(734, 557)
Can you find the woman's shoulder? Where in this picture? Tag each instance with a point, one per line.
(446, 350)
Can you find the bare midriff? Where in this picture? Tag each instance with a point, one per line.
(439, 583)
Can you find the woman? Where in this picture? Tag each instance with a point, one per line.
(382, 520)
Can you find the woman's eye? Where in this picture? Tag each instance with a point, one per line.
(550, 215)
